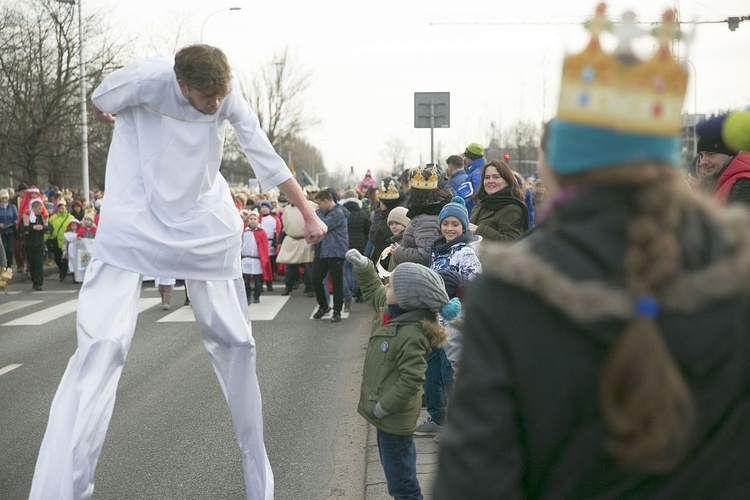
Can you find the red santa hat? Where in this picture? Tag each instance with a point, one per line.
(25, 206)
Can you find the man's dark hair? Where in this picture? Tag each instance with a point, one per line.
(455, 161)
(323, 195)
(204, 68)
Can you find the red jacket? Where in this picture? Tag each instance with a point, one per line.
(738, 168)
(261, 240)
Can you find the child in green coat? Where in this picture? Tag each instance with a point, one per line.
(396, 360)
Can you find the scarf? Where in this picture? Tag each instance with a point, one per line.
(440, 246)
(497, 201)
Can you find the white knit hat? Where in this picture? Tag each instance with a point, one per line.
(398, 214)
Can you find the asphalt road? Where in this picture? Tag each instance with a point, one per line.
(171, 436)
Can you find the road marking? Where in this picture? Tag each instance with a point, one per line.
(45, 315)
(269, 307)
(56, 312)
(144, 304)
(329, 314)
(267, 310)
(16, 305)
(8, 368)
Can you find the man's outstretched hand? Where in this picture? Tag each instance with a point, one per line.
(315, 229)
(101, 116)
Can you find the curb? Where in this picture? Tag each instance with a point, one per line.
(427, 465)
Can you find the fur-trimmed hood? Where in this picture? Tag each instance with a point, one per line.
(573, 265)
(353, 201)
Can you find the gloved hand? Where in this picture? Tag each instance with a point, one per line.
(358, 260)
(379, 410)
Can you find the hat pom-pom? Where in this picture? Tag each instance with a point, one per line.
(450, 309)
(736, 130)
(459, 200)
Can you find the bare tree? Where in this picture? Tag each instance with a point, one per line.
(521, 144)
(40, 98)
(276, 93)
(395, 152)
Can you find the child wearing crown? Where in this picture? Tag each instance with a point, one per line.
(426, 200)
(606, 354)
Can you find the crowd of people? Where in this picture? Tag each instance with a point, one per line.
(37, 227)
(603, 348)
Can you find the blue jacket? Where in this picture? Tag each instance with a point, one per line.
(456, 180)
(9, 217)
(471, 185)
(336, 242)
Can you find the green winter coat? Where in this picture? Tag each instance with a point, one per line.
(498, 225)
(395, 361)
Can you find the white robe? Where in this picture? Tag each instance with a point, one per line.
(251, 263)
(168, 210)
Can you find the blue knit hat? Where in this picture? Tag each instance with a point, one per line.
(266, 203)
(456, 208)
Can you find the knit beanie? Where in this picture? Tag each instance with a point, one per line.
(398, 214)
(474, 151)
(419, 287)
(456, 208)
(709, 136)
(455, 282)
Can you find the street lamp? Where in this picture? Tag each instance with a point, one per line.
(694, 138)
(695, 83)
(84, 120)
(211, 14)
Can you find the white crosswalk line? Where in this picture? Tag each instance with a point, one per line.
(144, 304)
(181, 315)
(269, 307)
(16, 305)
(9, 368)
(58, 311)
(267, 310)
(45, 315)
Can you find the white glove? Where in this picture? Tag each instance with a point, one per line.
(358, 260)
(379, 410)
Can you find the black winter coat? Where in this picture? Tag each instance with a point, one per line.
(358, 224)
(525, 421)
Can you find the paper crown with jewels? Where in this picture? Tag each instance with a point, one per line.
(389, 192)
(618, 107)
(418, 181)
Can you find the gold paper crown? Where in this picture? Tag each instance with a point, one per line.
(619, 91)
(418, 181)
(389, 193)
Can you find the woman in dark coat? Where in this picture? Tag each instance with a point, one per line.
(607, 354)
(390, 197)
(500, 213)
(425, 202)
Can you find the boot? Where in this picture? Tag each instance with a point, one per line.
(166, 296)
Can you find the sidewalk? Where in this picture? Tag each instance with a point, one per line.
(427, 463)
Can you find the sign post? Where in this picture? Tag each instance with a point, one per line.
(432, 109)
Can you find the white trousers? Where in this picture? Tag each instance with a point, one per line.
(83, 404)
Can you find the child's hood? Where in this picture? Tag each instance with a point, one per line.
(435, 332)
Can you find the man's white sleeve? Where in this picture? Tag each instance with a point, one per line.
(269, 168)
